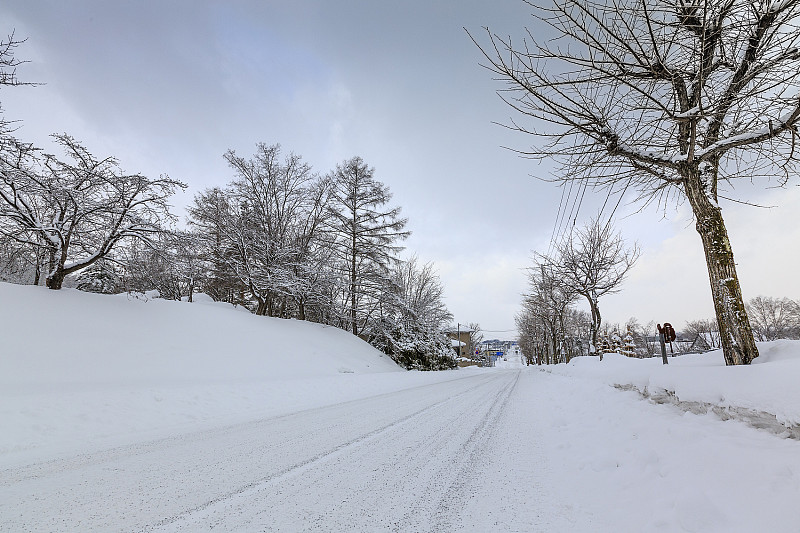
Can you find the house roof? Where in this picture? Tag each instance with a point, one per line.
(462, 329)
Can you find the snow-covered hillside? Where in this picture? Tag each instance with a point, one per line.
(82, 370)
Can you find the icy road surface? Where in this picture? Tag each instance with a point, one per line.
(495, 450)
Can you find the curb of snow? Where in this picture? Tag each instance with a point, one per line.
(752, 417)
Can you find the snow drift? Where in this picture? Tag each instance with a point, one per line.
(71, 337)
(764, 394)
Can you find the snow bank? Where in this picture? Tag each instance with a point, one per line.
(81, 370)
(768, 386)
(70, 337)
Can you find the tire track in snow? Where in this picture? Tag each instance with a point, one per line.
(478, 447)
(297, 468)
(378, 475)
(133, 487)
(41, 469)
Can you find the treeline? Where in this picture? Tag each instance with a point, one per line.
(771, 319)
(279, 239)
(591, 262)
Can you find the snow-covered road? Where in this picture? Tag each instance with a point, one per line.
(398, 461)
(489, 450)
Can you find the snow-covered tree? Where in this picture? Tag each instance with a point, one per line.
(262, 234)
(77, 210)
(364, 234)
(19, 263)
(272, 197)
(419, 348)
(644, 336)
(411, 317)
(171, 263)
(668, 99)
(628, 344)
(210, 216)
(102, 277)
(475, 336)
(707, 329)
(420, 294)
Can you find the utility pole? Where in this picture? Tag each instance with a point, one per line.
(458, 338)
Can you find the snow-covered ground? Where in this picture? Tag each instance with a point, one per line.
(120, 414)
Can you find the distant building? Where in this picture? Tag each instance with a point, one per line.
(460, 340)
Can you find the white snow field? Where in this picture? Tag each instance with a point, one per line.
(119, 414)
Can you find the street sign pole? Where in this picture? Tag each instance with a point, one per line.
(663, 344)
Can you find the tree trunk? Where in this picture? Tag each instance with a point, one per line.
(353, 299)
(55, 279)
(595, 326)
(738, 345)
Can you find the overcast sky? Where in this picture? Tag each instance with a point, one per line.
(168, 86)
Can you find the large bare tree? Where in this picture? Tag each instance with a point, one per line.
(666, 98)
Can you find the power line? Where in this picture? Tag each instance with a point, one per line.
(558, 215)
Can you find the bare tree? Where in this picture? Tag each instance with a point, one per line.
(8, 69)
(547, 306)
(18, 262)
(578, 327)
(475, 337)
(172, 263)
(774, 318)
(530, 333)
(665, 98)
(706, 329)
(78, 210)
(366, 235)
(593, 261)
(9, 62)
(644, 336)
